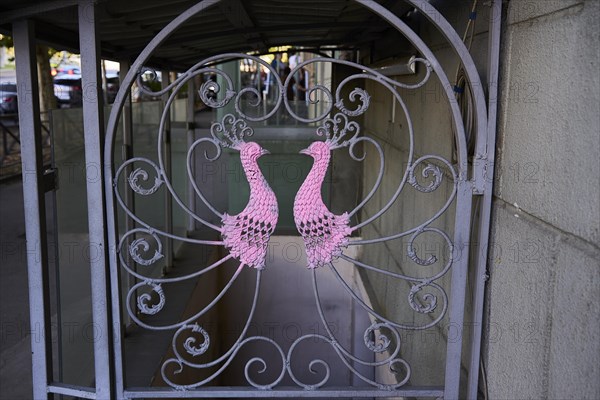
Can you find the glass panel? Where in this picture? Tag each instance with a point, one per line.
(76, 330)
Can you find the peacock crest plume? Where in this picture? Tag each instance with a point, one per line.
(338, 131)
(231, 131)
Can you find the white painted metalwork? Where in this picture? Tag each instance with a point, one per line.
(93, 123)
(142, 244)
(34, 203)
(429, 302)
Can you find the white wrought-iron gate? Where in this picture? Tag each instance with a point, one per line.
(123, 291)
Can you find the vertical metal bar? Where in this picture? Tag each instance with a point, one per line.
(59, 333)
(93, 123)
(127, 153)
(35, 206)
(462, 225)
(191, 95)
(486, 202)
(119, 325)
(165, 79)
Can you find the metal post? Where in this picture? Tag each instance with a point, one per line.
(127, 151)
(165, 79)
(35, 206)
(127, 154)
(93, 123)
(191, 95)
(464, 198)
(486, 202)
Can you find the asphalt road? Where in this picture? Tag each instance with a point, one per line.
(8, 75)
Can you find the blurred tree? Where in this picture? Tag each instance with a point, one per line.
(47, 98)
(6, 41)
(43, 54)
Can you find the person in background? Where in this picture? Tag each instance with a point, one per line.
(294, 59)
(278, 65)
(290, 87)
(301, 85)
(271, 88)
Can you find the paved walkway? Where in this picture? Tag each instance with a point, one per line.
(15, 349)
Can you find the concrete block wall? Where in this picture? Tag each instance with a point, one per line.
(541, 334)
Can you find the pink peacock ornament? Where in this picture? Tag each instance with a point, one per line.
(325, 234)
(246, 235)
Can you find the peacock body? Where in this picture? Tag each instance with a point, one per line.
(246, 235)
(325, 234)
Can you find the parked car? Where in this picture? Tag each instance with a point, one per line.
(112, 86)
(8, 98)
(67, 89)
(65, 69)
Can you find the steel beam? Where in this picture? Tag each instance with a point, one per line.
(236, 14)
(93, 123)
(284, 392)
(35, 206)
(188, 37)
(136, 6)
(39, 8)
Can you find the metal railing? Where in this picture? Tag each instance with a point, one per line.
(10, 155)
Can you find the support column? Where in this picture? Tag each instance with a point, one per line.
(93, 123)
(35, 207)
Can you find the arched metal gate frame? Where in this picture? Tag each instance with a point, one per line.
(342, 133)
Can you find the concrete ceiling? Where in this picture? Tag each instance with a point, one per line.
(126, 27)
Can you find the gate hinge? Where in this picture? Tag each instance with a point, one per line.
(480, 165)
(477, 189)
(50, 179)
